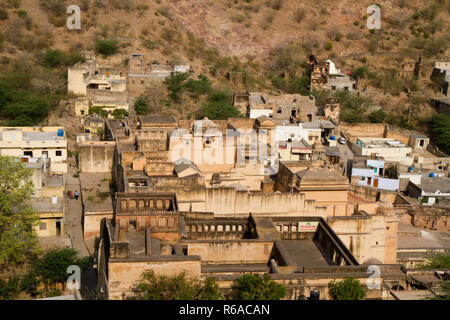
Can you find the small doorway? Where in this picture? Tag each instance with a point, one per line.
(58, 228)
(375, 183)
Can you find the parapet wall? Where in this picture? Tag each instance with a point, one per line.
(96, 156)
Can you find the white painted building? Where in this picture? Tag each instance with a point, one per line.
(371, 175)
(389, 149)
(29, 143)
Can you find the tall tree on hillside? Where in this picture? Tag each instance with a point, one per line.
(17, 239)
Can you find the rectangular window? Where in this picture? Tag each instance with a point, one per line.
(28, 153)
(142, 82)
(58, 153)
(43, 226)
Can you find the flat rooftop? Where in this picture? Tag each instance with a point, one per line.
(54, 181)
(45, 205)
(432, 185)
(305, 253)
(381, 143)
(156, 119)
(38, 136)
(428, 239)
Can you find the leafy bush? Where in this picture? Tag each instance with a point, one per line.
(141, 105)
(198, 87)
(219, 107)
(10, 289)
(348, 289)
(175, 85)
(253, 287)
(377, 116)
(107, 47)
(119, 114)
(51, 268)
(437, 261)
(18, 103)
(359, 72)
(177, 287)
(53, 58)
(440, 130)
(99, 111)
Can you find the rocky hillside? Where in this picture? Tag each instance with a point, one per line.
(261, 40)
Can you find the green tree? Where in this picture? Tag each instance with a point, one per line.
(176, 85)
(17, 238)
(219, 107)
(141, 105)
(107, 47)
(10, 289)
(177, 287)
(119, 113)
(98, 110)
(53, 58)
(51, 267)
(391, 172)
(377, 116)
(440, 130)
(347, 289)
(438, 261)
(299, 85)
(199, 87)
(359, 72)
(18, 104)
(253, 287)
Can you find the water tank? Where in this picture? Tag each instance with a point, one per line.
(432, 175)
(332, 138)
(60, 132)
(410, 169)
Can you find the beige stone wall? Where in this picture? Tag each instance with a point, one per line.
(91, 226)
(96, 156)
(363, 129)
(48, 192)
(123, 275)
(233, 252)
(229, 201)
(365, 237)
(327, 197)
